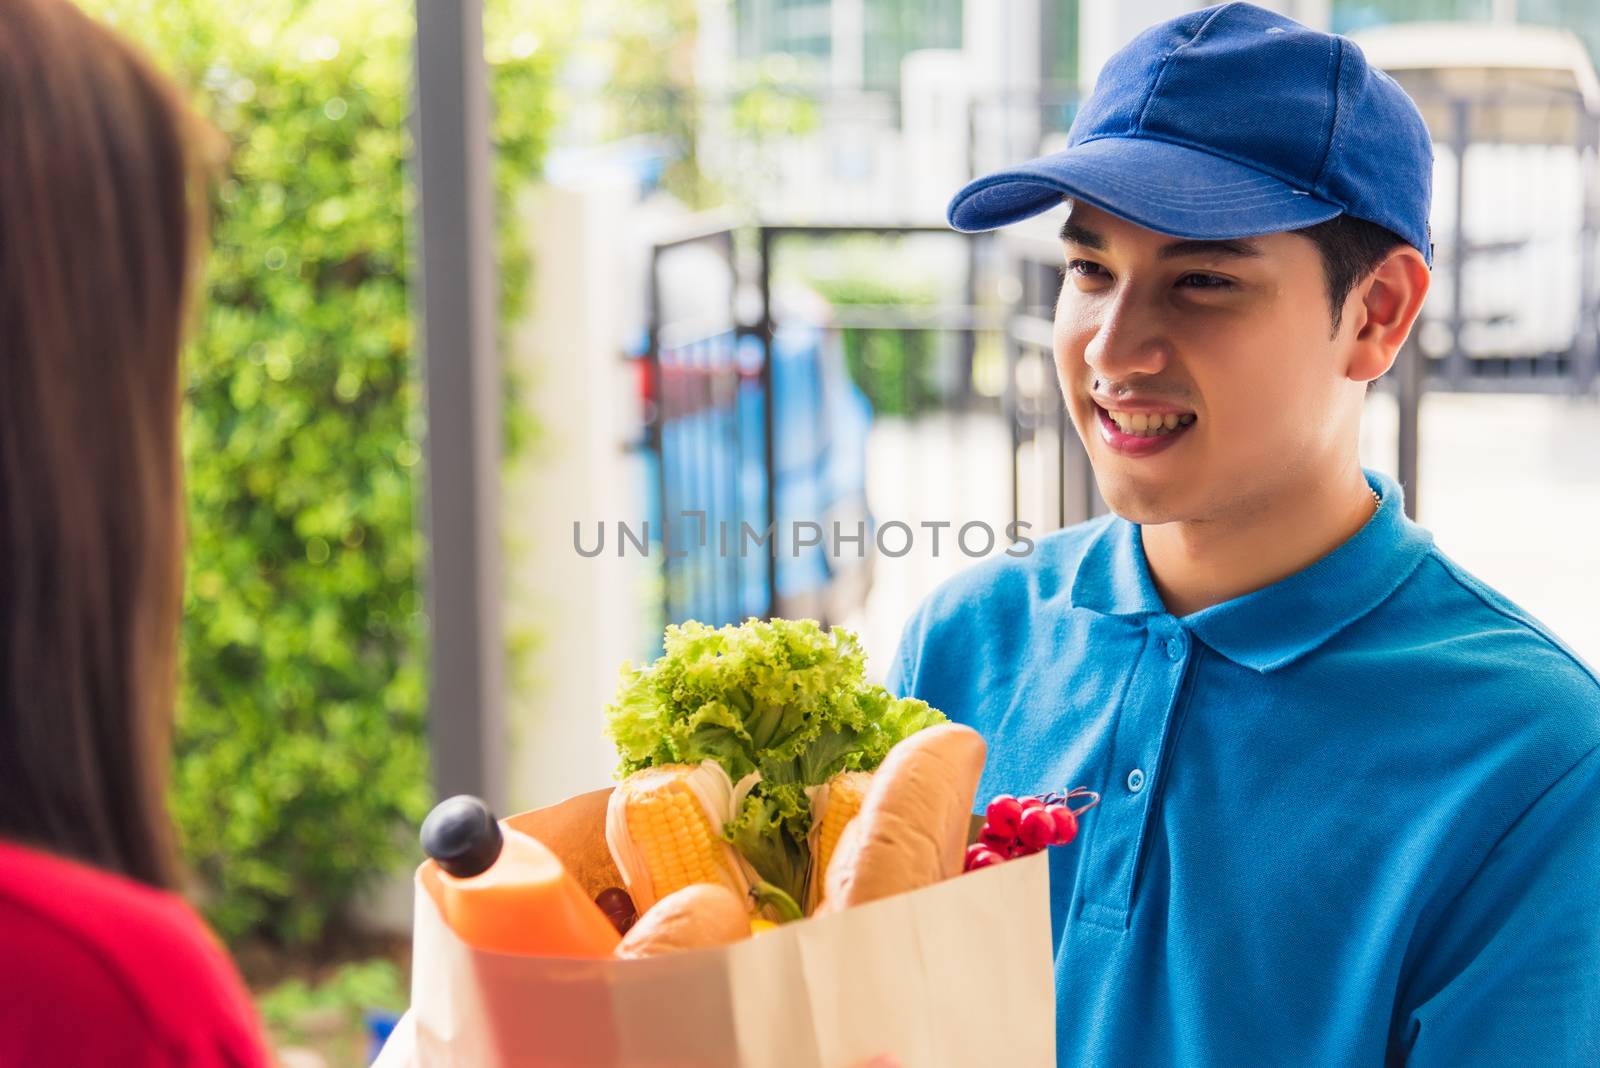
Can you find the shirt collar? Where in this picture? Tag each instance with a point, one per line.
(1277, 624)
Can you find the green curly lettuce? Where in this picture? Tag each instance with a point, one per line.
(781, 697)
(769, 830)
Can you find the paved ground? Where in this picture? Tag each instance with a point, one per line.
(1510, 487)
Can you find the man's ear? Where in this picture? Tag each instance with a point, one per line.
(1386, 307)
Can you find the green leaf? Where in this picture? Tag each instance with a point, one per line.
(769, 830)
(781, 697)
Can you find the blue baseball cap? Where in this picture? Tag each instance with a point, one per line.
(1230, 121)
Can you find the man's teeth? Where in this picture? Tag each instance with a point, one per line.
(1149, 425)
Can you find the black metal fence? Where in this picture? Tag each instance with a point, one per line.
(728, 389)
(705, 389)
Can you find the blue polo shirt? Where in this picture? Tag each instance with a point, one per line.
(1351, 818)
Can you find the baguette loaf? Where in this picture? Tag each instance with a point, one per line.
(912, 827)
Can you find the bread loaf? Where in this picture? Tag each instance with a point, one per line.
(912, 827)
(695, 917)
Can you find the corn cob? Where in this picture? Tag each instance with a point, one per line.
(833, 806)
(664, 829)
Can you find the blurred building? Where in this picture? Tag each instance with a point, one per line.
(1580, 16)
(904, 99)
(857, 42)
(872, 113)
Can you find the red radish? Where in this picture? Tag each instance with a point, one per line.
(1066, 824)
(1003, 814)
(982, 857)
(1019, 827)
(995, 840)
(1037, 830)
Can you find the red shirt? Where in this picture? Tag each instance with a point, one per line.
(97, 969)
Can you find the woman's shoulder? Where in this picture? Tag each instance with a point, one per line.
(106, 964)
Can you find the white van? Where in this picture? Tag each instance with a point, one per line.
(1513, 109)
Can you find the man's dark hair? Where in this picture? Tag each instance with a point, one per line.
(1351, 249)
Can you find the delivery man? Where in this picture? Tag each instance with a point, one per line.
(1351, 794)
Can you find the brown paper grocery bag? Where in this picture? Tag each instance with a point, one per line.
(955, 975)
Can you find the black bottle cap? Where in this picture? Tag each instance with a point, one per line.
(462, 836)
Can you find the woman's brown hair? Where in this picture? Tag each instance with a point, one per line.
(101, 221)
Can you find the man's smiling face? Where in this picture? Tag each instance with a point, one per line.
(1228, 340)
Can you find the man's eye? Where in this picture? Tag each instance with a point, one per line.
(1088, 270)
(1073, 267)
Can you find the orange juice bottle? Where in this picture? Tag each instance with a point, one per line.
(505, 891)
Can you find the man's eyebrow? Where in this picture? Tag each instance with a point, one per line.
(1241, 249)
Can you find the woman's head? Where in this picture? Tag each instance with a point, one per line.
(100, 222)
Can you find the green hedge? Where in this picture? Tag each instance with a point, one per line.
(301, 766)
(896, 368)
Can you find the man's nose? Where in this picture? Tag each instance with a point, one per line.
(1126, 340)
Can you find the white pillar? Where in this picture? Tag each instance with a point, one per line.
(847, 36)
(933, 124)
(714, 45)
(1002, 49)
(715, 55)
(1105, 26)
(586, 614)
(1312, 13)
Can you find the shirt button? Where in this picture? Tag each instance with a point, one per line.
(1135, 780)
(1175, 648)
